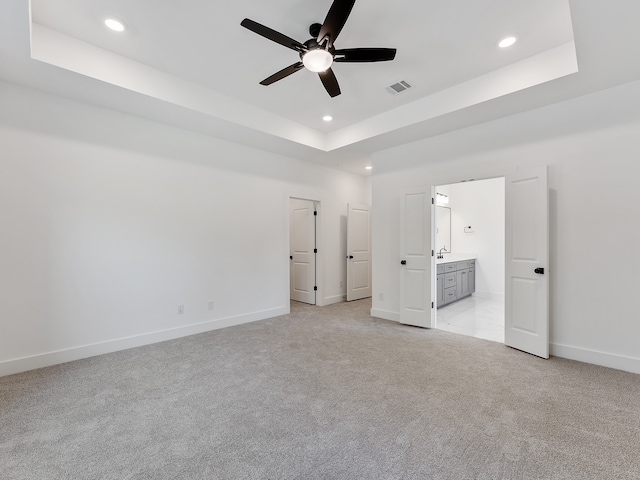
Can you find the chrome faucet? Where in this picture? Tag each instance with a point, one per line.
(440, 255)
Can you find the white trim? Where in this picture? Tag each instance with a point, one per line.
(386, 315)
(611, 360)
(318, 201)
(334, 299)
(9, 367)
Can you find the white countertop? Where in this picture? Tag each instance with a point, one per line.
(454, 257)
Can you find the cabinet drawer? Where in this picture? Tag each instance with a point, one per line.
(449, 280)
(449, 267)
(464, 265)
(472, 263)
(450, 294)
(440, 269)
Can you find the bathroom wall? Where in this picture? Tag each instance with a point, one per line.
(479, 205)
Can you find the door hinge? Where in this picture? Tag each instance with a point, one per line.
(431, 304)
(315, 213)
(432, 202)
(315, 289)
(315, 250)
(432, 253)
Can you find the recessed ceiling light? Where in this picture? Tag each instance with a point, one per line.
(507, 42)
(327, 118)
(115, 24)
(368, 167)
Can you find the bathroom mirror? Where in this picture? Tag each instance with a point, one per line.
(443, 228)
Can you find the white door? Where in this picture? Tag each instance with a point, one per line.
(358, 252)
(302, 244)
(527, 260)
(416, 289)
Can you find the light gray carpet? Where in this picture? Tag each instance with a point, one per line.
(323, 393)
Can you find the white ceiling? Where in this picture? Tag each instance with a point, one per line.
(191, 64)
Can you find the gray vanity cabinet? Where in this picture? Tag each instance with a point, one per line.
(455, 280)
(462, 278)
(462, 283)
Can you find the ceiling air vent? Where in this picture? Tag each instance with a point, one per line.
(399, 87)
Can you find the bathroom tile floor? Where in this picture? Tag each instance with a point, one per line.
(476, 316)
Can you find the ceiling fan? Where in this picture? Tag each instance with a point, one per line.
(318, 53)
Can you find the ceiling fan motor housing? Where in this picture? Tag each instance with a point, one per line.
(311, 44)
(314, 29)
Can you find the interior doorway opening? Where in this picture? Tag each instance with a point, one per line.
(303, 250)
(469, 236)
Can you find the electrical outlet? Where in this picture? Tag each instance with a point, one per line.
(180, 309)
(210, 305)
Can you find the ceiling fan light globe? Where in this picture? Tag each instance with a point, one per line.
(317, 60)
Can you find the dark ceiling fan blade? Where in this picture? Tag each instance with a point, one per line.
(285, 72)
(365, 55)
(272, 35)
(336, 18)
(330, 82)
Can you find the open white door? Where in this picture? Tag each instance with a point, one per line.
(416, 258)
(302, 244)
(527, 252)
(358, 252)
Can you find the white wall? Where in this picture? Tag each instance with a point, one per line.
(479, 204)
(592, 146)
(109, 222)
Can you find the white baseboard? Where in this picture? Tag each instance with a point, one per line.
(619, 362)
(611, 360)
(384, 314)
(334, 299)
(9, 367)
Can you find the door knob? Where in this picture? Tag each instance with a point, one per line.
(403, 262)
(539, 270)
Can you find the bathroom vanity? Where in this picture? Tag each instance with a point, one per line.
(456, 278)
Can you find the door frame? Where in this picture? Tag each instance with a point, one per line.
(309, 226)
(434, 272)
(485, 175)
(318, 201)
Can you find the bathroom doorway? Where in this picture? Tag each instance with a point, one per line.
(469, 235)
